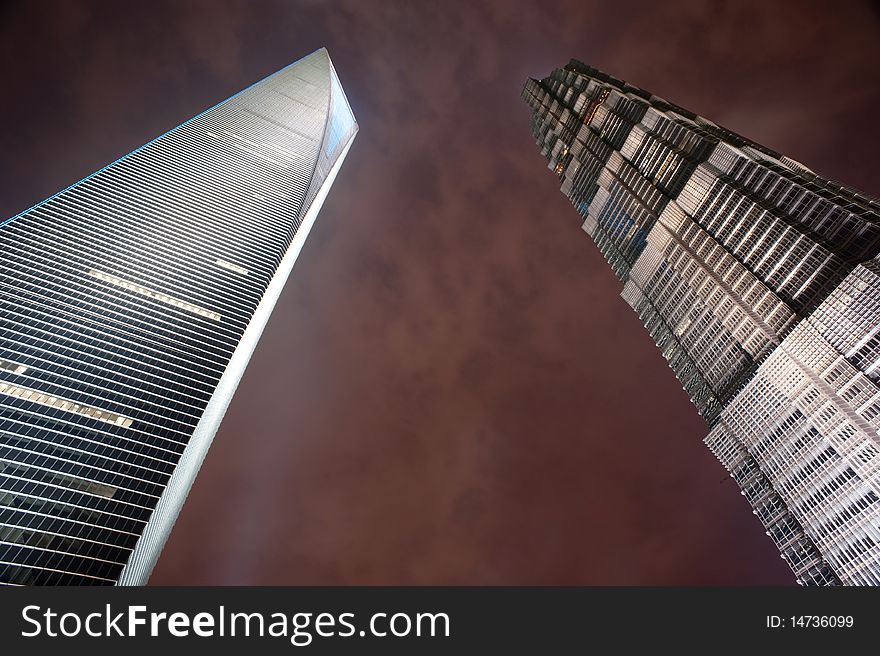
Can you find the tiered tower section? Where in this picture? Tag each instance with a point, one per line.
(757, 280)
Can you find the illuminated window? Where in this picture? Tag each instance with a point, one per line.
(56, 478)
(231, 267)
(63, 404)
(14, 368)
(157, 296)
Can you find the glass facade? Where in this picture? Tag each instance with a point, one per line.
(129, 306)
(758, 281)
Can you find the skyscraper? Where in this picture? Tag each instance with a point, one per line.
(130, 304)
(760, 283)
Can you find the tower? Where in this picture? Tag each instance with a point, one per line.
(130, 304)
(758, 281)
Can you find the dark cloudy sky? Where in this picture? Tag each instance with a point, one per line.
(450, 390)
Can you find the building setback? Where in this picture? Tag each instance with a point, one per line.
(760, 283)
(130, 304)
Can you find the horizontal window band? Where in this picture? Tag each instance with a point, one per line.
(26, 569)
(48, 498)
(69, 544)
(66, 480)
(11, 366)
(232, 267)
(123, 537)
(156, 296)
(63, 404)
(61, 315)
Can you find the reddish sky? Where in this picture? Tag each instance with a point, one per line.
(450, 390)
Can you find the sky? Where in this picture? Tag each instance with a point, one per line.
(450, 389)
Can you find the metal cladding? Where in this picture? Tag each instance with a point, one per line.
(130, 304)
(760, 283)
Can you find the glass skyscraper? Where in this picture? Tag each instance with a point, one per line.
(130, 304)
(760, 283)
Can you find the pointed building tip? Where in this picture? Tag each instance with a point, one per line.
(321, 54)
